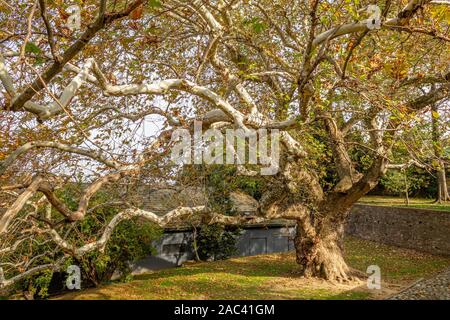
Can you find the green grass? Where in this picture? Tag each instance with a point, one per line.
(400, 202)
(273, 277)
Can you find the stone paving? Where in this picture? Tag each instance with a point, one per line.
(435, 288)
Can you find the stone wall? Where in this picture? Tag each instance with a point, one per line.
(418, 229)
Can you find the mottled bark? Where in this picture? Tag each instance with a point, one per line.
(319, 250)
(442, 193)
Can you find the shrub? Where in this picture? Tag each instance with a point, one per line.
(216, 242)
(131, 240)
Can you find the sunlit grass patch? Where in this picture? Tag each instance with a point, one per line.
(417, 203)
(272, 277)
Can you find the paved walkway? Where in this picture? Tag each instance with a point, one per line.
(436, 288)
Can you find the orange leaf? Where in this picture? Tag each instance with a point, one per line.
(136, 14)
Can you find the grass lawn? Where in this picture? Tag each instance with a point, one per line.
(273, 277)
(400, 202)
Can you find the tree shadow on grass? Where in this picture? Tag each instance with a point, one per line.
(270, 277)
(256, 266)
(207, 290)
(259, 277)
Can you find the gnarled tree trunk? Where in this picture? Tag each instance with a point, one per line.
(319, 249)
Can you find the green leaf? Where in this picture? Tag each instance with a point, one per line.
(39, 61)
(256, 24)
(32, 48)
(155, 4)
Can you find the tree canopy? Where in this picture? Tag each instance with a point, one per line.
(345, 82)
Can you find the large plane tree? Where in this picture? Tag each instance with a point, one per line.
(341, 80)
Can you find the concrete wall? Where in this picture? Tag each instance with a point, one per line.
(262, 241)
(175, 247)
(418, 229)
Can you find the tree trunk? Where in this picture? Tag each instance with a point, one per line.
(319, 250)
(442, 184)
(194, 244)
(406, 188)
(442, 194)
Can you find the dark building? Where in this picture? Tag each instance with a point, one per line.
(175, 246)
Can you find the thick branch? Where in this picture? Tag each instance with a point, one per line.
(402, 18)
(40, 82)
(55, 145)
(12, 211)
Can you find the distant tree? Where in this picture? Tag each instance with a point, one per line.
(439, 161)
(404, 182)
